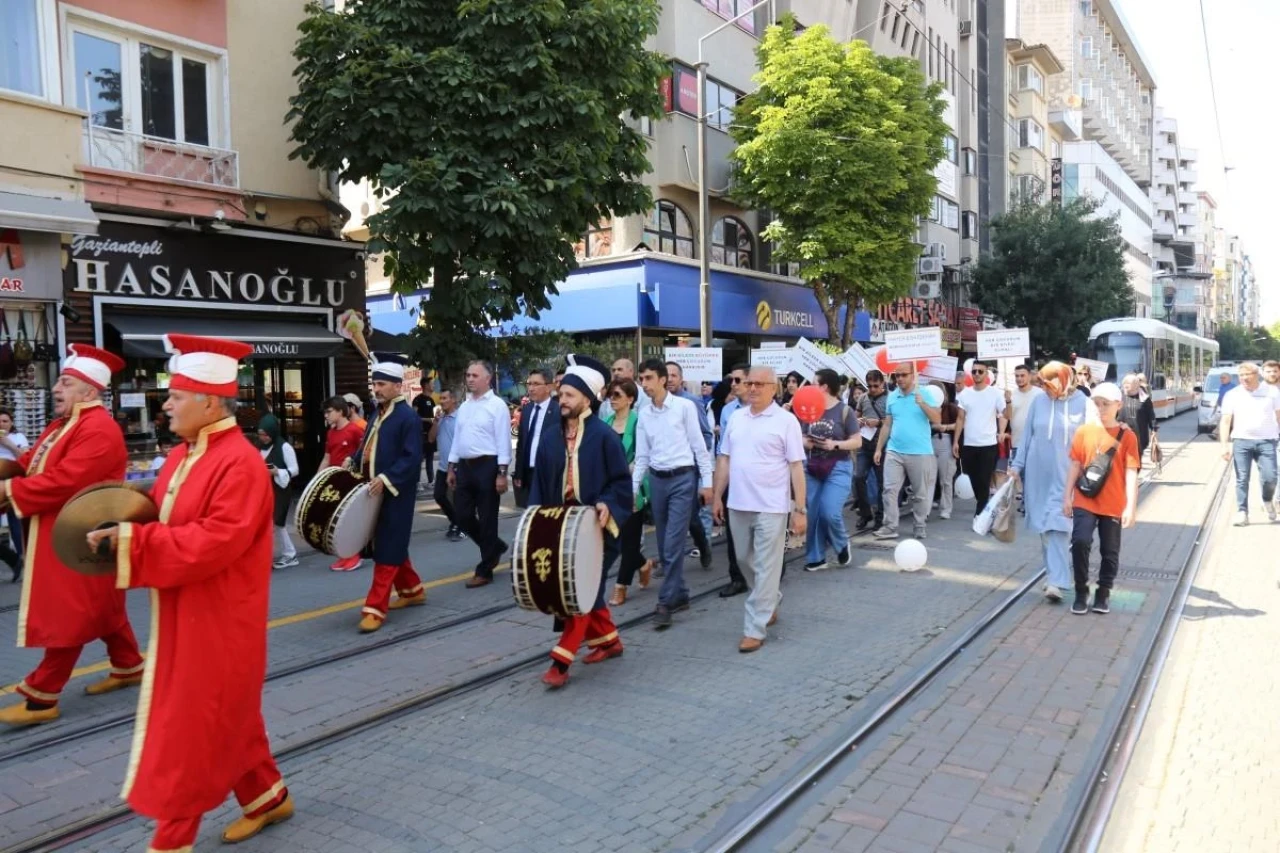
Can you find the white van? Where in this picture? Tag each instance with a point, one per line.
(1208, 414)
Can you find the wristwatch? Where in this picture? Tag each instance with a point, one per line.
(502, 470)
(800, 510)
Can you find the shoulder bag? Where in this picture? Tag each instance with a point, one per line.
(820, 467)
(45, 349)
(1094, 476)
(22, 349)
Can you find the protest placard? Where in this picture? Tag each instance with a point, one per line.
(778, 359)
(942, 368)
(1097, 369)
(808, 359)
(914, 344)
(859, 362)
(699, 364)
(1004, 343)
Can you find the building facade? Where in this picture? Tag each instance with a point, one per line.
(149, 139)
(1182, 276)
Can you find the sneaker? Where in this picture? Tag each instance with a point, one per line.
(1102, 601)
(945, 516)
(918, 533)
(1052, 593)
(284, 562)
(1271, 512)
(885, 533)
(863, 524)
(816, 566)
(694, 553)
(844, 558)
(1081, 605)
(1242, 518)
(350, 564)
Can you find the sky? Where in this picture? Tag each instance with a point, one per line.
(1242, 36)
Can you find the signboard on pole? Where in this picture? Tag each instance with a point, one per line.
(1004, 373)
(778, 359)
(699, 364)
(808, 359)
(943, 368)
(1097, 369)
(914, 344)
(859, 362)
(1004, 343)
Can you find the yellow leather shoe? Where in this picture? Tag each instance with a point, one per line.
(369, 624)
(20, 715)
(111, 684)
(247, 827)
(403, 601)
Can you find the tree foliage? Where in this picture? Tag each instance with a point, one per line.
(1237, 342)
(840, 144)
(496, 131)
(1056, 270)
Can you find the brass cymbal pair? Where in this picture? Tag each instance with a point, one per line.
(97, 507)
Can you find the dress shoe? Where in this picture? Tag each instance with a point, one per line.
(369, 623)
(678, 605)
(611, 650)
(749, 644)
(646, 572)
(706, 559)
(554, 678)
(734, 588)
(864, 523)
(245, 828)
(661, 618)
(403, 601)
(477, 581)
(619, 596)
(110, 684)
(21, 715)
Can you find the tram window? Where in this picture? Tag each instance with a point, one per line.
(1186, 369)
(1157, 382)
(1162, 361)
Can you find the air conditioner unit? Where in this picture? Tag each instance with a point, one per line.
(927, 289)
(937, 250)
(930, 265)
(966, 28)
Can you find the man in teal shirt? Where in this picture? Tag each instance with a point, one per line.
(905, 448)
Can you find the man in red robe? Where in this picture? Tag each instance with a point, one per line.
(62, 610)
(207, 561)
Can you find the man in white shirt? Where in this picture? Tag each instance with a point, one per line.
(984, 411)
(478, 463)
(671, 450)
(762, 451)
(1251, 423)
(1023, 394)
(532, 417)
(700, 527)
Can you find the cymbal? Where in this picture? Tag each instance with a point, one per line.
(99, 506)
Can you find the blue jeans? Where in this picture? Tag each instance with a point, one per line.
(869, 480)
(824, 500)
(1263, 451)
(672, 500)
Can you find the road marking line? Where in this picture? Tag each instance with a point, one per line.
(306, 616)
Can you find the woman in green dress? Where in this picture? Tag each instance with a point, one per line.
(622, 396)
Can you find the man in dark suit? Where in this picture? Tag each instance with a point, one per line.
(532, 417)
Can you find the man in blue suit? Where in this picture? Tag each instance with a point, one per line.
(390, 457)
(533, 417)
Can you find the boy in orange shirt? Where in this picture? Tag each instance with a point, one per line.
(1114, 507)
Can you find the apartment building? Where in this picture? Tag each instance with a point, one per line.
(1210, 259)
(1182, 280)
(1035, 134)
(147, 188)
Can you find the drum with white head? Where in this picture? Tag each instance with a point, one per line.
(558, 560)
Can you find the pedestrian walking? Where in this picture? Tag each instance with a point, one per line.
(944, 434)
(762, 452)
(1248, 432)
(282, 463)
(532, 418)
(869, 475)
(12, 445)
(442, 432)
(478, 462)
(828, 474)
(1024, 393)
(1139, 413)
(623, 419)
(670, 449)
(355, 411)
(1041, 465)
(340, 443)
(737, 392)
(1114, 505)
(700, 527)
(905, 450)
(984, 412)
(425, 408)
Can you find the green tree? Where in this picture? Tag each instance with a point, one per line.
(840, 144)
(1239, 343)
(497, 132)
(1055, 270)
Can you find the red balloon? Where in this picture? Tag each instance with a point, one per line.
(808, 403)
(882, 360)
(968, 380)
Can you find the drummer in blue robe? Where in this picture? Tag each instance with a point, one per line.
(390, 457)
(581, 461)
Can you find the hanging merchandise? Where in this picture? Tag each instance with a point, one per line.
(45, 350)
(8, 365)
(23, 352)
(30, 407)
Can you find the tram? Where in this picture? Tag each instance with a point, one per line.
(1174, 361)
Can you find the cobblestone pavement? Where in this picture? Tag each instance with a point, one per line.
(1204, 775)
(988, 758)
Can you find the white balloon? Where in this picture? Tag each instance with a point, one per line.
(968, 366)
(910, 555)
(964, 487)
(932, 395)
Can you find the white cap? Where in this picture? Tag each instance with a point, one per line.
(1107, 391)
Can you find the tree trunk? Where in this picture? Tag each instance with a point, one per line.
(829, 311)
(846, 335)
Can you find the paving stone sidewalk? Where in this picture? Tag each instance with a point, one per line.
(985, 759)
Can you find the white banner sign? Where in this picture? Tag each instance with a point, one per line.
(778, 359)
(858, 363)
(808, 359)
(1004, 343)
(942, 368)
(773, 345)
(1004, 373)
(133, 401)
(914, 344)
(699, 364)
(1097, 369)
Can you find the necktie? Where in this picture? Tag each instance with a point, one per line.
(533, 434)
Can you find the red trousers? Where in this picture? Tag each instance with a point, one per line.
(596, 628)
(260, 790)
(45, 683)
(402, 577)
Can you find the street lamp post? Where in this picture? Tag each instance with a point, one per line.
(704, 193)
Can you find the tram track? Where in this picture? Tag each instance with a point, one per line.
(777, 805)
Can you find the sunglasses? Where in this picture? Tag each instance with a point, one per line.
(616, 395)
(978, 372)
(735, 380)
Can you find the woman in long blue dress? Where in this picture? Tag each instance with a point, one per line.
(1042, 461)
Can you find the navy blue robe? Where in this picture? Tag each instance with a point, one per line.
(397, 461)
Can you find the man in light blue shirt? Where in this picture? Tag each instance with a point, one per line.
(905, 447)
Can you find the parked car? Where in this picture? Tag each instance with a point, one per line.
(1207, 414)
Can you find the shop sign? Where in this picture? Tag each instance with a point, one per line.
(952, 339)
(29, 265)
(159, 263)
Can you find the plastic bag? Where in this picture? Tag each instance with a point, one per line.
(1004, 522)
(982, 524)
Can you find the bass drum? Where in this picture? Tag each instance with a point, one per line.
(336, 514)
(558, 560)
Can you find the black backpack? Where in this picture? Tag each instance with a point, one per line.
(1095, 474)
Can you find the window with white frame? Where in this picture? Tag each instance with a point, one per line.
(1030, 134)
(731, 243)
(970, 161)
(952, 147)
(1085, 87)
(1030, 78)
(144, 84)
(969, 225)
(25, 47)
(668, 230)
(1086, 47)
(597, 242)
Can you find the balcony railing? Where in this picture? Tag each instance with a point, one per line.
(125, 151)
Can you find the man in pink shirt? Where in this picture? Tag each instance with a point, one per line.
(762, 451)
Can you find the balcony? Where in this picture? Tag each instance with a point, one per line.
(1164, 202)
(1188, 219)
(1068, 123)
(1162, 230)
(124, 151)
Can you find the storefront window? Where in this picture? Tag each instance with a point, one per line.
(731, 243)
(669, 231)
